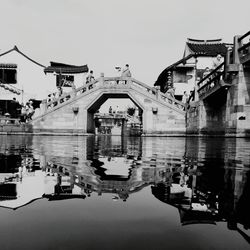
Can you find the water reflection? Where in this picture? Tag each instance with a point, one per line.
(207, 180)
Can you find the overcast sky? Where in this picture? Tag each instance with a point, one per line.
(147, 34)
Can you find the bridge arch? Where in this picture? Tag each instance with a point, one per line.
(94, 106)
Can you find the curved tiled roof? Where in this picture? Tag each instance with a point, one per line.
(162, 77)
(207, 47)
(65, 68)
(205, 41)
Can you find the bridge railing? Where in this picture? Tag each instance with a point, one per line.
(211, 81)
(7, 120)
(115, 82)
(244, 48)
(161, 96)
(128, 82)
(110, 115)
(108, 83)
(55, 100)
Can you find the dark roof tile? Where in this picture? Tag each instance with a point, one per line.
(65, 68)
(207, 47)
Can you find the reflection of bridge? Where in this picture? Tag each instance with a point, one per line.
(95, 180)
(74, 112)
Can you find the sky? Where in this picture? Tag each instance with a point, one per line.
(149, 35)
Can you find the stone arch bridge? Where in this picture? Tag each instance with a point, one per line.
(73, 112)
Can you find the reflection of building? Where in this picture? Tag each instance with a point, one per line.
(192, 210)
(8, 191)
(204, 191)
(201, 198)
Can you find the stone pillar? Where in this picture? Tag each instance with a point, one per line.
(236, 59)
(43, 106)
(157, 91)
(129, 82)
(73, 94)
(101, 79)
(196, 95)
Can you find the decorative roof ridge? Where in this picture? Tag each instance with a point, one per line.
(208, 41)
(21, 53)
(182, 60)
(8, 51)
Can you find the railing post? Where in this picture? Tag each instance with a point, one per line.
(101, 79)
(157, 91)
(129, 82)
(43, 106)
(227, 61)
(237, 44)
(73, 90)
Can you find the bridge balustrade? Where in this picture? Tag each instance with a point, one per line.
(110, 83)
(212, 82)
(110, 115)
(159, 95)
(244, 48)
(7, 120)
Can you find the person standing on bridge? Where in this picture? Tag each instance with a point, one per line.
(171, 92)
(126, 71)
(90, 78)
(185, 97)
(216, 63)
(110, 110)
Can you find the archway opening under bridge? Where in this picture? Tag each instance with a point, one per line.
(115, 114)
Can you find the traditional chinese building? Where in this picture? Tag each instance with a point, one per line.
(186, 72)
(23, 78)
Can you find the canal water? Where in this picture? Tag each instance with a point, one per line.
(110, 192)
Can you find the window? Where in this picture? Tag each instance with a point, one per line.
(64, 80)
(8, 73)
